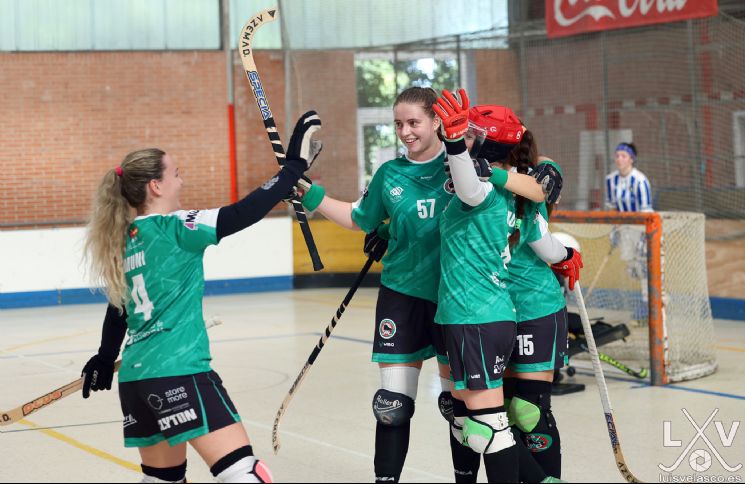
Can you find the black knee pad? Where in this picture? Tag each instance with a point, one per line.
(391, 408)
(166, 474)
(445, 404)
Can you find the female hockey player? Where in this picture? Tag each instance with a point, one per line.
(506, 140)
(151, 268)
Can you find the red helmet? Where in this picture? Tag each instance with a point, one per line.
(503, 130)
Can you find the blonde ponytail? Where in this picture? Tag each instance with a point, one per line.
(121, 191)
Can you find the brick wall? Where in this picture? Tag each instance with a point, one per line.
(65, 118)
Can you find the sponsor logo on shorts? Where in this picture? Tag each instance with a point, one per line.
(176, 394)
(166, 423)
(538, 442)
(155, 401)
(129, 420)
(499, 365)
(387, 329)
(477, 376)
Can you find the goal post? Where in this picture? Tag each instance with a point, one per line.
(648, 272)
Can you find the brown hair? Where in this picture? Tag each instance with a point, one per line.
(523, 157)
(112, 213)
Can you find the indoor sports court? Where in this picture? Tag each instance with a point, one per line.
(202, 161)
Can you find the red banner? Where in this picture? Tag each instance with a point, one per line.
(569, 17)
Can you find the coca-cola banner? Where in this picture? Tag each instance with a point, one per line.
(569, 17)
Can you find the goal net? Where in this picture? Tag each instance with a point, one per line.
(648, 271)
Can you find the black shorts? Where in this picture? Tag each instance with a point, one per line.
(405, 329)
(479, 353)
(175, 409)
(541, 344)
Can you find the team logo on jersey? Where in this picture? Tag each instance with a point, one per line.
(191, 220)
(387, 329)
(364, 193)
(397, 192)
(538, 442)
(155, 401)
(449, 186)
(133, 232)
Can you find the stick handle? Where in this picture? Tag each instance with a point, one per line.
(316, 351)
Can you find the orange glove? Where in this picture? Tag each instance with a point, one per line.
(570, 267)
(454, 114)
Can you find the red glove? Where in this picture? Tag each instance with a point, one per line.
(570, 267)
(453, 114)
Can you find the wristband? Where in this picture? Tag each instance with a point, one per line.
(499, 178)
(314, 197)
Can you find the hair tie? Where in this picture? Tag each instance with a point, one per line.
(119, 171)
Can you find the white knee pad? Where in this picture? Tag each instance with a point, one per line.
(400, 379)
(456, 428)
(487, 434)
(247, 469)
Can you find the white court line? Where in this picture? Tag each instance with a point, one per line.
(341, 449)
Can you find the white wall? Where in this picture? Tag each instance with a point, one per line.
(51, 259)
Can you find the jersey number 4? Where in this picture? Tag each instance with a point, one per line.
(140, 297)
(424, 210)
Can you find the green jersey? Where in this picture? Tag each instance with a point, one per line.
(533, 286)
(165, 275)
(475, 254)
(413, 196)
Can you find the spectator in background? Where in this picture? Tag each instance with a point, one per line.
(627, 189)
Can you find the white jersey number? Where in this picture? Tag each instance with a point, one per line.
(140, 297)
(421, 207)
(525, 345)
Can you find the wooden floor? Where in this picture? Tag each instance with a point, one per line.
(328, 431)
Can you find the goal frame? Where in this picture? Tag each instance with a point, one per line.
(652, 222)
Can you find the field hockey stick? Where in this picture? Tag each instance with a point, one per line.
(246, 52)
(14, 415)
(316, 351)
(602, 388)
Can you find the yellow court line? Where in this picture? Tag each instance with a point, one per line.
(730, 348)
(41, 341)
(85, 447)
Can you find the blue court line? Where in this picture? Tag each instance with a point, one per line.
(669, 386)
(607, 377)
(216, 341)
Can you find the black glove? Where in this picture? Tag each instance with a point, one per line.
(483, 169)
(301, 146)
(481, 165)
(97, 375)
(376, 243)
(549, 177)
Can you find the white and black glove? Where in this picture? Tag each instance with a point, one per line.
(302, 146)
(550, 179)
